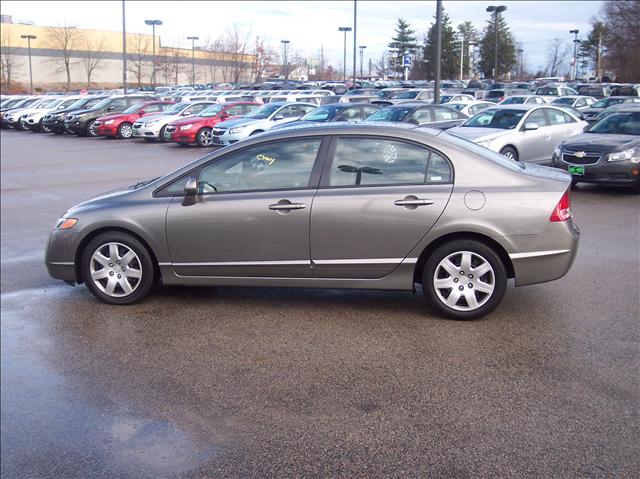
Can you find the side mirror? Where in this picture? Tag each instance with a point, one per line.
(111, 108)
(278, 117)
(191, 187)
(224, 115)
(530, 126)
(141, 112)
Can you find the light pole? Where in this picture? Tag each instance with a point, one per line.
(344, 61)
(124, 51)
(193, 58)
(29, 38)
(436, 85)
(471, 47)
(461, 57)
(575, 53)
(355, 31)
(520, 68)
(362, 47)
(153, 24)
(496, 9)
(286, 69)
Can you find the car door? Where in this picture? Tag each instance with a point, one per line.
(446, 118)
(420, 116)
(286, 114)
(533, 144)
(562, 127)
(377, 199)
(252, 215)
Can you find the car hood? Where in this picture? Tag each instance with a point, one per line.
(96, 201)
(606, 142)
(477, 134)
(237, 122)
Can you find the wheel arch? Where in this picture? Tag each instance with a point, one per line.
(83, 244)
(462, 235)
(510, 145)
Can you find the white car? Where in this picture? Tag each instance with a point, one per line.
(457, 97)
(524, 100)
(470, 108)
(33, 121)
(259, 120)
(575, 101)
(526, 133)
(13, 117)
(153, 127)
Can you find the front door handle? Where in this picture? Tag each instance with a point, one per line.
(286, 206)
(412, 201)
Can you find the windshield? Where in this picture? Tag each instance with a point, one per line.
(212, 110)
(67, 103)
(457, 106)
(494, 118)
(49, 103)
(176, 109)
(446, 98)
(563, 101)
(513, 100)
(320, 114)
(619, 123)
(102, 104)
(607, 102)
(390, 114)
(262, 112)
(547, 91)
(133, 108)
(407, 95)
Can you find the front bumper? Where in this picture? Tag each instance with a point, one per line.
(224, 138)
(107, 130)
(188, 136)
(622, 173)
(59, 257)
(146, 131)
(54, 125)
(75, 126)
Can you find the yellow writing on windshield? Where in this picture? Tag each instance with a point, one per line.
(267, 159)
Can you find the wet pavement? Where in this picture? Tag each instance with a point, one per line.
(240, 382)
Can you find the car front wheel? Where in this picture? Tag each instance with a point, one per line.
(510, 152)
(91, 129)
(203, 138)
(464, 279)
(117, 268)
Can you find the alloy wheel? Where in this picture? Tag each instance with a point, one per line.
(464, 281)
(126, 131)
(92, 129)
(115, 269)
(204, 137)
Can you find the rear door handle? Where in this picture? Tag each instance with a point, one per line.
(287, 206)
(412, 202)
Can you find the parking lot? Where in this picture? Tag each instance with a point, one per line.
(239, 382)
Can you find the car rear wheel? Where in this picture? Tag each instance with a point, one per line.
(510, 152)
(162, 130)
(91, 129)
(203, 138)
(464, 279)
(125, 131)
(117, 268)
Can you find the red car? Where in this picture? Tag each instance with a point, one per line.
(120, 124)
(197, 129)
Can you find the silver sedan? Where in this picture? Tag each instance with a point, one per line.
(527, 133)
(332, 206)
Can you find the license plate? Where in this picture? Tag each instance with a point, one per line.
(167, 135)
(576, 170)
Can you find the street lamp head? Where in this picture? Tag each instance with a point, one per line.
(285, 41)
(344, 29)
(362, 47)
(193, 38)
(153, 22)
(30, 37)
(574, 31)
(496, 8)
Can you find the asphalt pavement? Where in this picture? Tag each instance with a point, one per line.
(257, 382)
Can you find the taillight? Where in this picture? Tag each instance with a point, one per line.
(562, 211)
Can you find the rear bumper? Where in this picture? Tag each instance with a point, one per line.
(547, 256)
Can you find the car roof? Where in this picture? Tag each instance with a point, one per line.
(330, 127)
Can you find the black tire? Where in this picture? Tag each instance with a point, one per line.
(200, 140)
(162, 130)
(90, 130)
(510, 152)
(143, 285)
(574, 182)
(125, 131)
(498, 274)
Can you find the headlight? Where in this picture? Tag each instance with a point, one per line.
(485, 143)
(557, 151)
(66, 223)
(81, 115)
(630, 154)
(109, 122)
(186, 127)
(237, 129)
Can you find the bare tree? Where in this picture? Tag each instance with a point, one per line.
(93, 52)
(66, 39)
(138, 48)
(10, 62)
(556, 56)
(164, 64)
(213, 46)
(236, 45)
(265, 58)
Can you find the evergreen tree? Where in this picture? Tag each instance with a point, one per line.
(450, 56)
(468, 33)
(593, 47)
(506, 48)
(403, 42)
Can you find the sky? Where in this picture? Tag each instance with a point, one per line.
(309, 24)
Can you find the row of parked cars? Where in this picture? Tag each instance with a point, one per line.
(525, 128)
